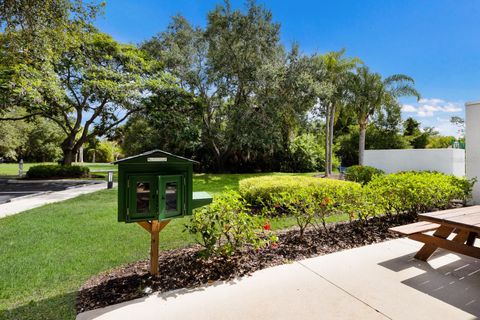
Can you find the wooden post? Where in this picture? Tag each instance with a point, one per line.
(154, 227)
(154, 237)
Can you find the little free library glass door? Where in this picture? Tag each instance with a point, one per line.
(142, 198)
(156, 197)
(171, 196)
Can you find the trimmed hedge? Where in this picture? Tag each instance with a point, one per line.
(298, 194)
(57, 171)
(405, 192)
(311, 200)
(259, 190)
(417, 192)
(362, 174)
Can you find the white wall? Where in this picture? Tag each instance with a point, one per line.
(472, 145)
(449, 161)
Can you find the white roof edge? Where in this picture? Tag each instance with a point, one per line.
(152, 152)
(472, 103)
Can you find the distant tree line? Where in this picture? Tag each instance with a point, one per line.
(229, 94)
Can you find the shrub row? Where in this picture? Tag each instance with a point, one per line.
(416, 192)
(228, 223)
(310, 200)
(57, 171)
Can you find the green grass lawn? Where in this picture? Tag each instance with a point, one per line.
(11, 169)
(48, 252)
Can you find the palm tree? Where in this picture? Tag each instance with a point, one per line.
(333, 78)
(369, 94)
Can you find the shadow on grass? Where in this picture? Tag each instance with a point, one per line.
(59, 307)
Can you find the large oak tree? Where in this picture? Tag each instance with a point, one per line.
(84, 80)
(249, 93)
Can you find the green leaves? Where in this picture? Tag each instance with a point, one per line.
(310, 200)
(57, 171)
(225, 226)
(252, 94)
(362, 174)
(370, 95)
(417, 192)
(87, 84)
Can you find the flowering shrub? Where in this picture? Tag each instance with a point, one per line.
(310, 200)
(299, 204)
(226, 226)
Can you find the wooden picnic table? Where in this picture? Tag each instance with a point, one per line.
(455, 230)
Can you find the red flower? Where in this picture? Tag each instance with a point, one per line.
(266, 226)
(326, 201)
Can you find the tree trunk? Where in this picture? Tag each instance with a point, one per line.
(361, 143)
(93, 156)
(330, 149)
(327, 139)
(80, 155)
(68, 156)
(68, 148)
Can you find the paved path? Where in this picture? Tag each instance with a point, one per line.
(27, 203)
(380, 281)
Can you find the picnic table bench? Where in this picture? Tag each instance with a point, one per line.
(454, 230)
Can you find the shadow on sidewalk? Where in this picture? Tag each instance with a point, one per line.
(456, 283)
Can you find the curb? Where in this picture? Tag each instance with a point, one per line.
(28, 196)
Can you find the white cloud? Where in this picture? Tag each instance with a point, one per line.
(436, 113)
(445, 128)
(429, 107)
(408, 108)
(431, 101)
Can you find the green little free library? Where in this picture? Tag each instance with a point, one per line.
(157, 185)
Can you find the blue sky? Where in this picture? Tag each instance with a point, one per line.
(435, 42)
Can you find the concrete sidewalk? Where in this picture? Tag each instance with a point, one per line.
(380, 281)
(30, 202)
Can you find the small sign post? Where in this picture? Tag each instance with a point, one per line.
(110, 180)
(20, 168)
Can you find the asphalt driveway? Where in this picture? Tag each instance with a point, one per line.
(10, 189)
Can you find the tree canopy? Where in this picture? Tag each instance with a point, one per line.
(87, 83)
(228, 94)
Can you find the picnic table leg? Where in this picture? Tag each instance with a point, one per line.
(471, 238)
(428, 249)
(461, 236)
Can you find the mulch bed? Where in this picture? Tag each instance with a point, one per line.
(184, 268)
